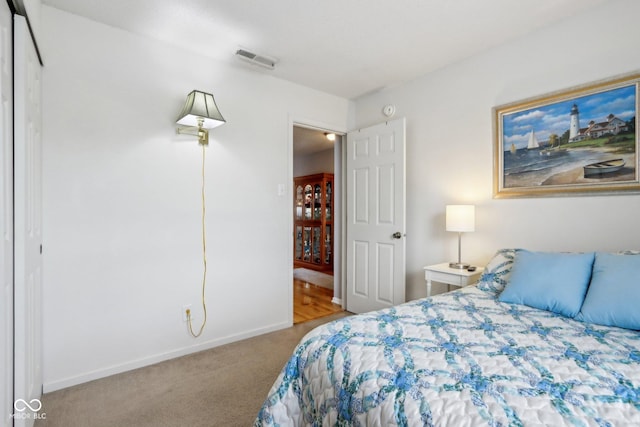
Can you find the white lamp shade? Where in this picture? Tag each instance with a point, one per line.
(461, 218)
(200, 105)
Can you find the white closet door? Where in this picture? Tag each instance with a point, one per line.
(28, 220)
(6, 219)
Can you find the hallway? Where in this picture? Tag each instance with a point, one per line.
(311, 301)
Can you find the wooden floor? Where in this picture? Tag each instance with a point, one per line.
(311, 301)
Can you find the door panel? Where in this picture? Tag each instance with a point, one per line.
(6, 218)
(28, 219)
(361, 268)
(361, 187)
(386, 195)
(385, 274)
(375, 170)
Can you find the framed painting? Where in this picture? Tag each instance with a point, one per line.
(581, 141)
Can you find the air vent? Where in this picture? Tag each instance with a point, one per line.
(263, 61)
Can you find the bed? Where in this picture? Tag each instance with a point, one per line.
(464, 358)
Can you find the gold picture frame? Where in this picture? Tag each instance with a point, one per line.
(580, 141)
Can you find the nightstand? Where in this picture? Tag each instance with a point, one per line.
(442, 273)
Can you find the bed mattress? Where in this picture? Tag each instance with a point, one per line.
(459, 359)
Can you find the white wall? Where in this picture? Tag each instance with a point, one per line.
(122, 245)
(121, 191)
(321, 162)
(450, 144)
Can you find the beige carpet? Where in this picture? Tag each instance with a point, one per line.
(224, 386)
(315, 277)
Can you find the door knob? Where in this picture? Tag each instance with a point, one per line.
(397, 235)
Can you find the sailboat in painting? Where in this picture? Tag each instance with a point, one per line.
(533, 141)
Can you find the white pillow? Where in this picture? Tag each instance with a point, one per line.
(497, 271)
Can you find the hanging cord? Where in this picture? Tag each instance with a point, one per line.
(204, 260)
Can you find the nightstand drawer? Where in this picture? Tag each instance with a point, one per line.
(450, 279)
(442, 273)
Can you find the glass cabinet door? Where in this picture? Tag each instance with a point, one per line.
(298, 253)
(299, 202)
(327, 245)
(316, 245)
(317, 202)
(306, 239)
(308, 201)
(328, 201)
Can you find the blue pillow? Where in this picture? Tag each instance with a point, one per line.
(549, 281)
(614, 292)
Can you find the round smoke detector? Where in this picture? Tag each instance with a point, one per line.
(389, 110)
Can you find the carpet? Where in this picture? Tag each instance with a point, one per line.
(224, 386)
(314, 277)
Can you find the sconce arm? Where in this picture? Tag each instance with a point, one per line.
(201, 133)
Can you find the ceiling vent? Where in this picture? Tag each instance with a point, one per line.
(253, 58)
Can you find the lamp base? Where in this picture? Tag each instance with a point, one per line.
(459, 265)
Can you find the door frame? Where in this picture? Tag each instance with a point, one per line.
(339, 194)
(7, 397)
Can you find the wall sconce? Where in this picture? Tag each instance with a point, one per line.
(330, 136)
(200, 113)
(460, 218)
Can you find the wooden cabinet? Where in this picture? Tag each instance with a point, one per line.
(313, 222)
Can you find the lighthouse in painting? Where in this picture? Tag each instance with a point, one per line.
(574, 127)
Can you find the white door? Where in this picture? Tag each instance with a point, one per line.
(28, 221)
(6, 219)
(375, 176)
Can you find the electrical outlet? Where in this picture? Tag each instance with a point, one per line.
(184, 312)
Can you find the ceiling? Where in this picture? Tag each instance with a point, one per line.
(309, 141)
(344, 47)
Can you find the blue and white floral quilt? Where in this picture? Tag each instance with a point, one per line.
(459, 359)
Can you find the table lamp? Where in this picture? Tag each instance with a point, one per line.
(460, 218)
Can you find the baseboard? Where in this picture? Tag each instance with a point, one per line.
(337, 301)
(151, 360)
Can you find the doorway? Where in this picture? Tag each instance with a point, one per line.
(316, 223)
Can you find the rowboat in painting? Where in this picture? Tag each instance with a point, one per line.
(601, 168)
(553, 151)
